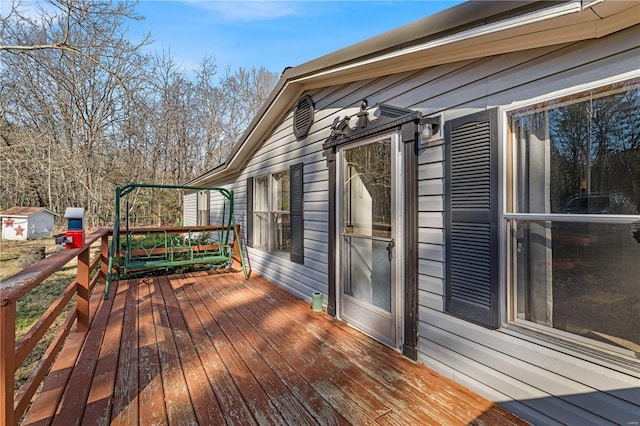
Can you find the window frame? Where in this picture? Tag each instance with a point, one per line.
(257, 211)
(509, 215)
(203, 208)
(270, 212)
(275, 214)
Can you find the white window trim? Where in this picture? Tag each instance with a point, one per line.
(504, 110)
(270, 212)
(507, 287)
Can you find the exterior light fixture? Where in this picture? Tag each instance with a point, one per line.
(430, 129)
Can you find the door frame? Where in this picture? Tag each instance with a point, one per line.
(397, 289)
(388, 117)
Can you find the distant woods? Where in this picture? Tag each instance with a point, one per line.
(83, 109)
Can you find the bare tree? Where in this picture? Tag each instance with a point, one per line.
(226, 108)
(66, 79)
(58, 22)
(83, 110)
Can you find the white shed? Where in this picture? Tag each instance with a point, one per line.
(27, 223)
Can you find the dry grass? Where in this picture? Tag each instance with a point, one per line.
(13, 253)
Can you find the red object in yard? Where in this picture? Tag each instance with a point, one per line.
(74, 239)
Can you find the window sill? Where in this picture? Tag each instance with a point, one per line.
(276, 253)
(609, 358)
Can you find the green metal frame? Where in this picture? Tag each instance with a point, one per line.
(222, 256)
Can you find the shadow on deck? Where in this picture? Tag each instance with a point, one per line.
(211, 348)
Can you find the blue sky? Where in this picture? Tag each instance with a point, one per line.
(273, 34)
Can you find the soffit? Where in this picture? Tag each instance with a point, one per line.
(566, 28)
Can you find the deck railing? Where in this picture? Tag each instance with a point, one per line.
(13, 353)
(90, 271)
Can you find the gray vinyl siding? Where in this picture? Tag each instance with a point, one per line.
(190, 207)
(543, 382)
(431, 250)
(278, 153)
(301, 280)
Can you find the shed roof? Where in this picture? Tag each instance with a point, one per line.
(18, 211)
(470, 30)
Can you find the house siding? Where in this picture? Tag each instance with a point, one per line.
(190, 206)
(539, 381)
(543, 382)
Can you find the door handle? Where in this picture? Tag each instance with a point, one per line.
(390, 247)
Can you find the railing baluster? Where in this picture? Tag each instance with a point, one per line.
(82, 304)
(104, 256)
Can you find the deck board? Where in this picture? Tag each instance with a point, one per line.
(312, 360)
(213, 349)
(176, 393)
(252, 392)
(125, 409)
(318, 407)
(99, 400)
(151, 394)
(203, 398)
(74, 398)
(279, 395)
(228, 395)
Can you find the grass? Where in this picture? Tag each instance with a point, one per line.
(13, 254)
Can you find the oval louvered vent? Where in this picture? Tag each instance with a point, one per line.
(303, 117)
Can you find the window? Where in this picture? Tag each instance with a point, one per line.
(203, 208)
(573, 215)
(275, 209)
(271, 212)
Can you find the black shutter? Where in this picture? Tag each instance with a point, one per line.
(472, 249)
(249, 230)
(296, 211)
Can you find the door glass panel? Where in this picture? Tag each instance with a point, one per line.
(368, 271)
(367, 224)
(367, 190)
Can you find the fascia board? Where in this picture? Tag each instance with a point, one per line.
(466, 14)
(623, 19)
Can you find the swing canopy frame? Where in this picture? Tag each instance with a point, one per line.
(141, 251)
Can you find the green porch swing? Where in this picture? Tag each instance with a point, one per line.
(152, 249)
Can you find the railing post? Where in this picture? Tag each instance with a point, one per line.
(7, 362)
(82, 304)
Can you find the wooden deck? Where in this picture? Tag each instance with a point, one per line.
(214, 349)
